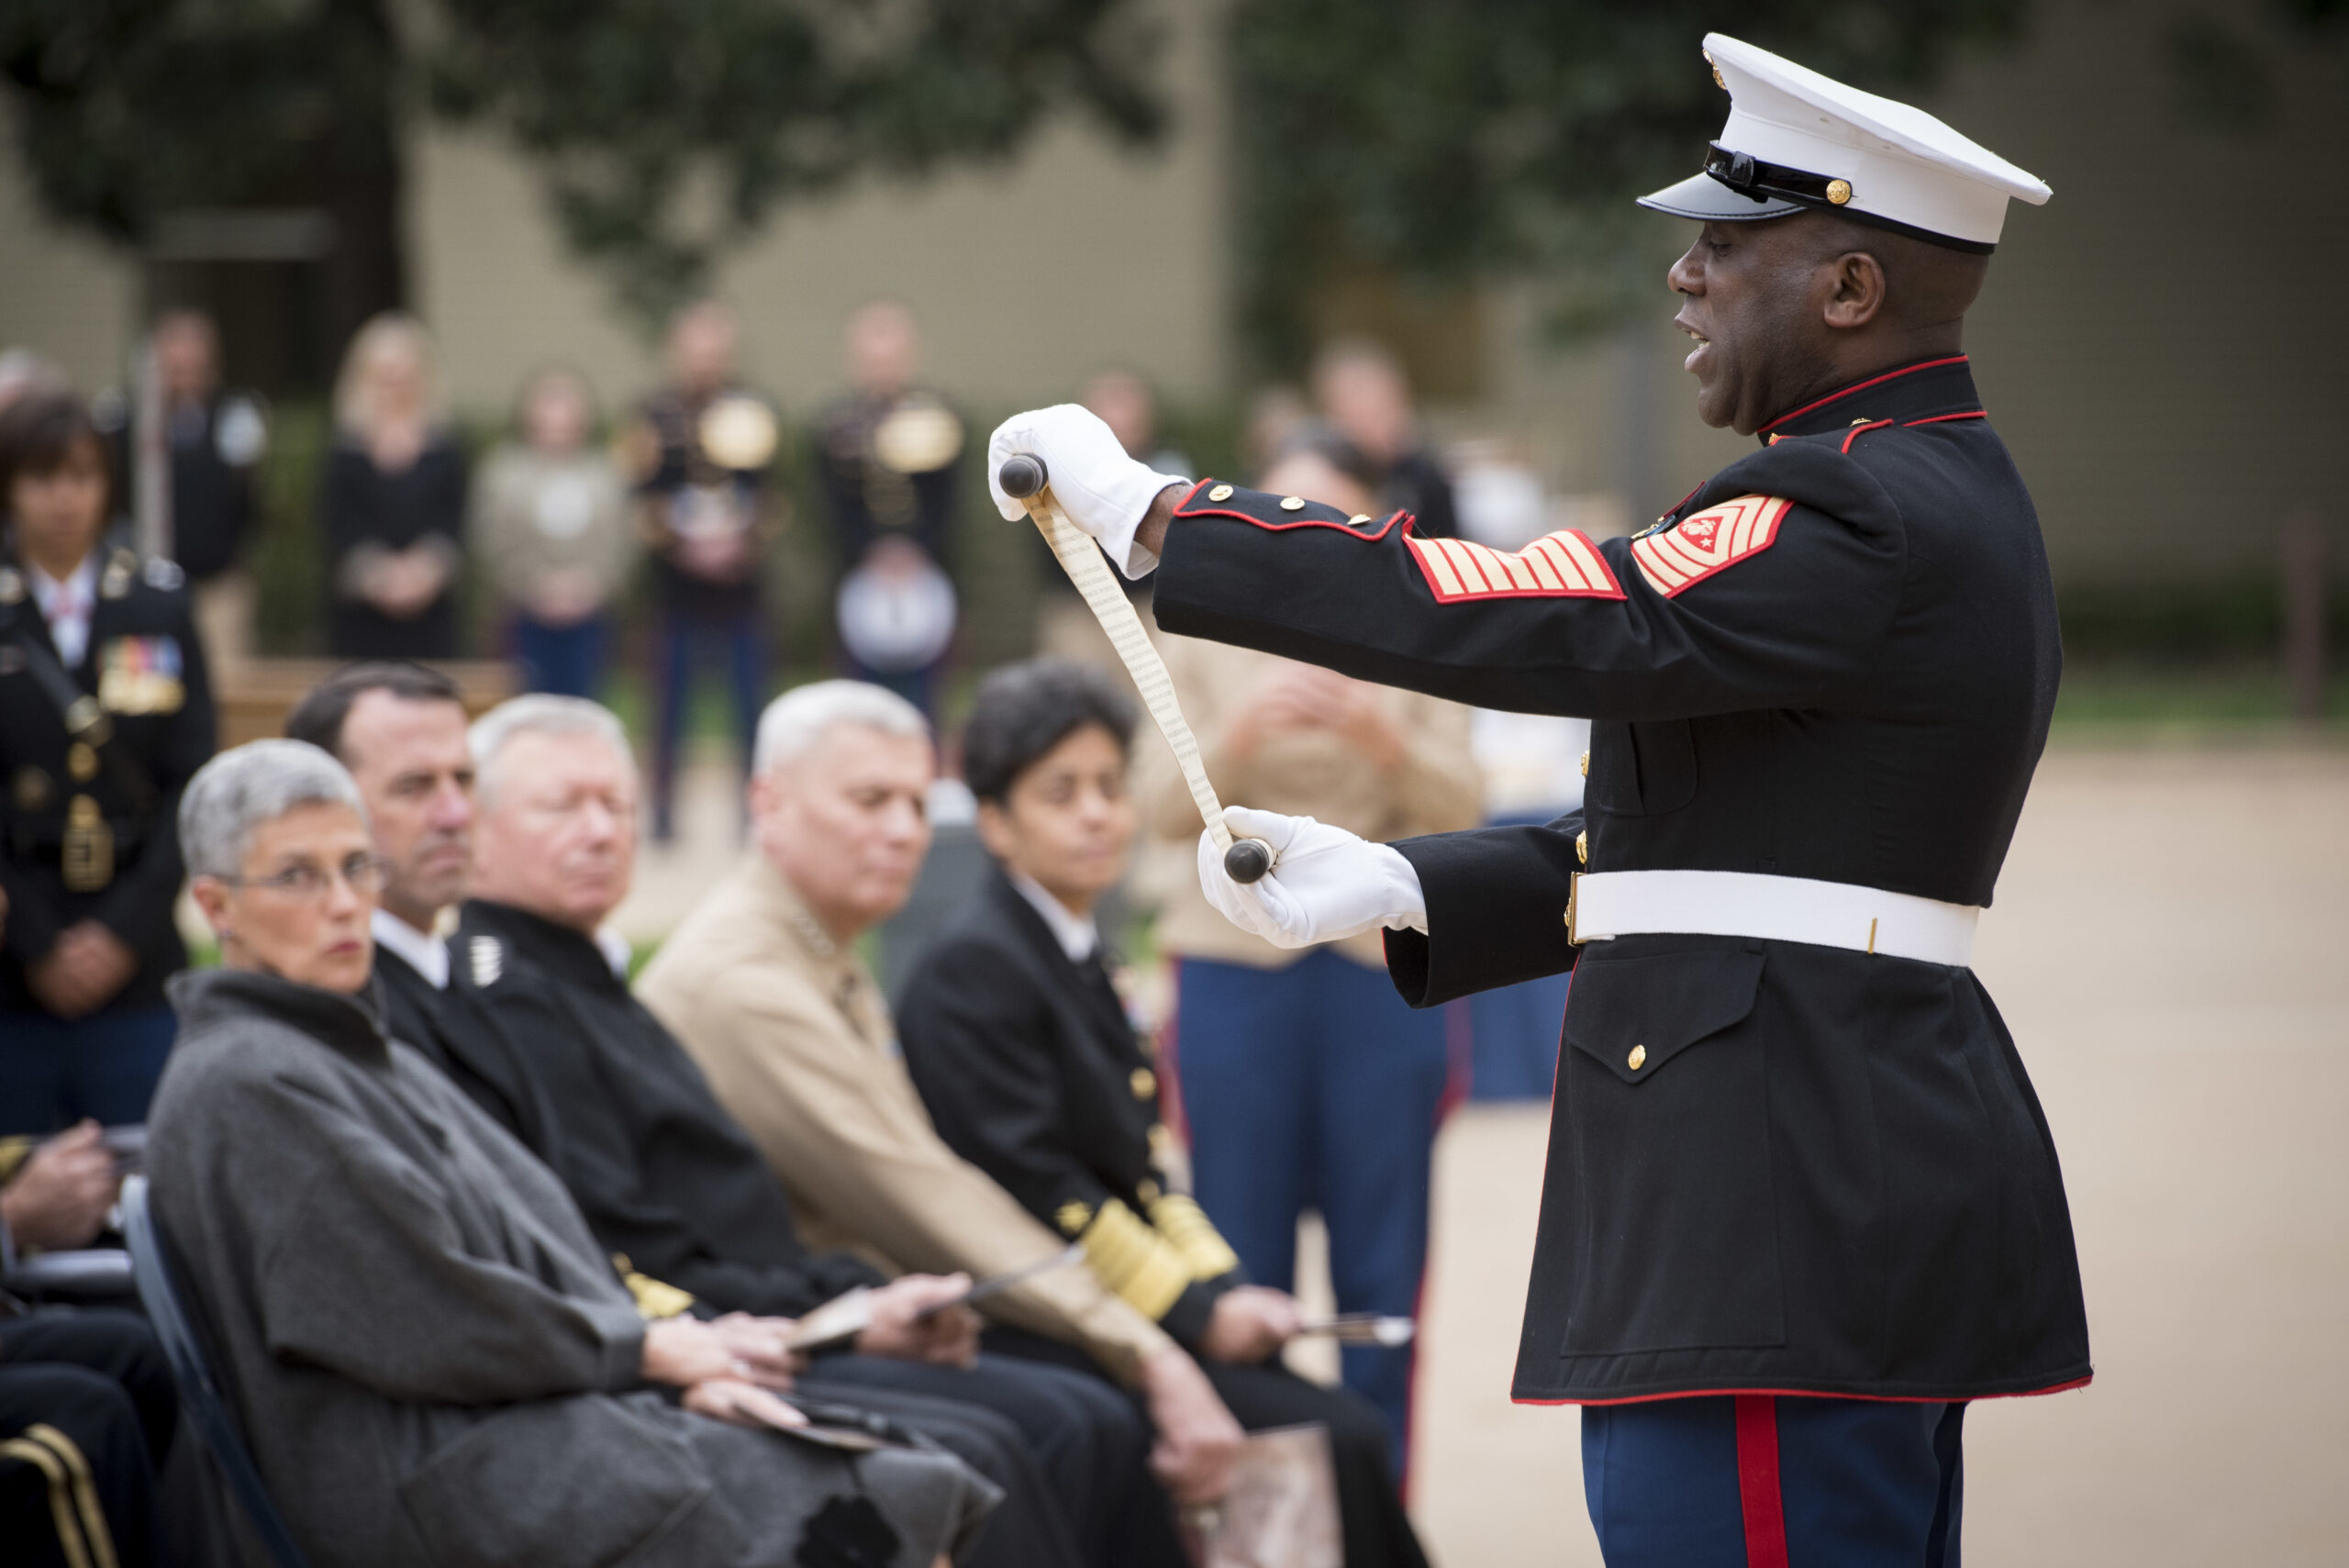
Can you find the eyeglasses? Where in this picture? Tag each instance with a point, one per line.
(364, 874)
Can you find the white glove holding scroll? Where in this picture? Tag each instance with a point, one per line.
(1325, 884)
(1100, 488)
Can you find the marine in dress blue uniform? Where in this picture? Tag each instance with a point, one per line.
(1801, 1203)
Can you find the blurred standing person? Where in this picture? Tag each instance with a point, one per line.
(1306, 1082)
(104, 714)
(394, 501)
(1364, 396)
(550, 518)
(215, 438)
(1130, 408)
(702, 444)
(889, 448)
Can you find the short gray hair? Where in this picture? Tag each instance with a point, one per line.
(794, 721)
(256, 783)
(539, 713)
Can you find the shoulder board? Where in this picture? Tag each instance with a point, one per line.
(486, 958)
(1676, 558)
(164, 575)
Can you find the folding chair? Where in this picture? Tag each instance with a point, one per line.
(200, 1395)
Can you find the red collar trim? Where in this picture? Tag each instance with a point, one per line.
(1860, 386)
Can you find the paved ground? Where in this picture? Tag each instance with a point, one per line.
(2170, 950)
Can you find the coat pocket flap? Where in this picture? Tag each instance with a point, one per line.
(1636, 1013)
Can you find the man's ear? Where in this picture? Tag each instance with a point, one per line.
(1857, 292)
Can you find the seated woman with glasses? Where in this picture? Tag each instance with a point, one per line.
(432, 1360)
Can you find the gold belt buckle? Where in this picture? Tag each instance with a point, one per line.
(1573, 896)
(88, 853)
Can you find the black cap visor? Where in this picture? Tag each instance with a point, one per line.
(1707, 200)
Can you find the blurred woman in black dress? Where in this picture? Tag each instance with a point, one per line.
(394, 501)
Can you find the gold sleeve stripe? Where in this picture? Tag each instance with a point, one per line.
(1696, 547)
(61, 1508)
(1134, 1261)
(1563, 565)
(94, 1532)
(655, 1299)
(1204, 1251)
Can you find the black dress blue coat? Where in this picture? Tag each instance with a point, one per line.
(1827, 1173)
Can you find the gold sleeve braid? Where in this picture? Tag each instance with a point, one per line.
(1135, 1261)
(14, 1153)
(655, 1299)
(1184, 1224)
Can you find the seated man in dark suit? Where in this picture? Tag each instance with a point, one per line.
(542, 1031)
(1021, 1047)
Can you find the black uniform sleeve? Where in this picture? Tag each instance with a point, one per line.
(980, 1055)
(1793, 615)
(346, 508)
(30, 925)
(1496, 903)
(138, 906)
(589, 1150)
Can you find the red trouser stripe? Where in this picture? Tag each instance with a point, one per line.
(1757, 1481)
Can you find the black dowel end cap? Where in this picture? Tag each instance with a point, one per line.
(1248, 859)
(1021, 475)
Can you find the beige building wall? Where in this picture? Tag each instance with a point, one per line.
(1026, 277)
(70, 299)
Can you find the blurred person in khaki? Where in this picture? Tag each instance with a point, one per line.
(430, 1355)
(213, 439)
(394, 502)
(698, 451)
(550, 518)
(762, 984)
(1365, 398)
(1305, 1082)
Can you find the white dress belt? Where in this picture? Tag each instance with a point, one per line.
(1779, 908)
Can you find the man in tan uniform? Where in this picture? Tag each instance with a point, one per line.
(762, 984)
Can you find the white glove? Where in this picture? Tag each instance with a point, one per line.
(1100, 489)
(1325, 883)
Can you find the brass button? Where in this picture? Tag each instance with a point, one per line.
(1359, 519)
(1145, 1082)
(1639, 1057)
(1582, 846)
(1292, 503)
(81, 762)
(1839, 191)
(1585, 764)
(1220, 493)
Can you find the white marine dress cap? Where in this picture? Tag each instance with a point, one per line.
(1798, 139)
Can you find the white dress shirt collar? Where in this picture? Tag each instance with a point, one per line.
(1078, 935)
(70, 633)
(420, 950)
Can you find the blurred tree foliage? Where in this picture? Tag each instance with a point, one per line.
(1441, 141)
(666, 130)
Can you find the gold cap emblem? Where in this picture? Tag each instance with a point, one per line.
(1839, 191)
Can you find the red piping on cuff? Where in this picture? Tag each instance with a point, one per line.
(1938, 418)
